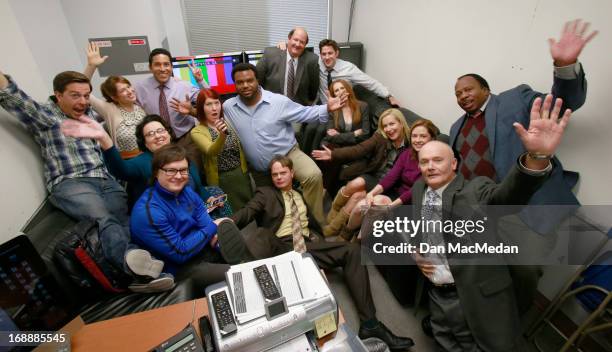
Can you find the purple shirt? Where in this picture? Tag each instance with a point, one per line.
(402, 176)
(147, 95)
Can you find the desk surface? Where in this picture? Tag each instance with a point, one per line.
(140, 331)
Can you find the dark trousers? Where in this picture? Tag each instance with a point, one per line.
(329, 255)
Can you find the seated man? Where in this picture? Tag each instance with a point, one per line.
(284, 224)
(172, 221)
(463, 296)
(77, 179)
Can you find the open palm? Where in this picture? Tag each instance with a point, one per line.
(545, 128)
(84, 127)
(573, 38)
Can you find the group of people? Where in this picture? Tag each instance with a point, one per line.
(189, 162)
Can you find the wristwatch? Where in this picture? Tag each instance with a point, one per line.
(540, 156)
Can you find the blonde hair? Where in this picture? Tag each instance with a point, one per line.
(400, 118)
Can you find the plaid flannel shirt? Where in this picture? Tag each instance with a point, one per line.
(64, 157)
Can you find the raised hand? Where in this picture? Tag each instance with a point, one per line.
(182, 107)
(197, 73)
(545, 129)
(336, 103)
(221, 126)
(93, 55)
(85, 127)
(566, 51)
(324, 154)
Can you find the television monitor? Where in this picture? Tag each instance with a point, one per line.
(252, 56)
(216, 69)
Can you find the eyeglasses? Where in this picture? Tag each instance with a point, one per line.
(173, 172)
(160, 131)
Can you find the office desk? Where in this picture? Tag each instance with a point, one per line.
(145, 330)
(140, 331)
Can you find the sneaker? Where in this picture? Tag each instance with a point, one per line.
(395, 343)
(140, 262)
(163, 283)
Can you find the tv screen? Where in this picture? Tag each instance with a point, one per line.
(216, 70)
(253, 56)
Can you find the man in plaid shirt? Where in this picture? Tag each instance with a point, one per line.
(76, 177)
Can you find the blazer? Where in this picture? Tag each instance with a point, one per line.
(514, 105)
(369, 156)
(271, 70)
(267, 209)
(348, 138)
(483, 289)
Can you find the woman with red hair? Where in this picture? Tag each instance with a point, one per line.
(224, 161)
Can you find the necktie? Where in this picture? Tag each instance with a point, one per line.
(329, 79)
(430, 210)
(163, 104)
(290, 78)
(299, 245)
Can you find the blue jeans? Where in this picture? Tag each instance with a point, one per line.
(103, 200)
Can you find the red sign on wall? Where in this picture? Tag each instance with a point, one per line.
(136, 41)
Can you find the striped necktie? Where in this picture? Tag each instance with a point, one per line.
(163, 104)
(299, 245)
(290, 79)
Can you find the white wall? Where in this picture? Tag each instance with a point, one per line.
(21, 178)
(418, 48)
(112, 18)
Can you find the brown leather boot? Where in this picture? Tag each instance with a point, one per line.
(335, 224)
(339, 201)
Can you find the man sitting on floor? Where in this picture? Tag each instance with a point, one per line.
(284, 224)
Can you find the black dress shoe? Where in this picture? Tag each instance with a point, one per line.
(426, 326)
(395, 343)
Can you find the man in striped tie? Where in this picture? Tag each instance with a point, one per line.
(284, 224)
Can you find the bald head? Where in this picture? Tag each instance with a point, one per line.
(437, 164)
(297, 40)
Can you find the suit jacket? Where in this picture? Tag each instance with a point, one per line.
(484, 289)
(271, 70)
(267, 208)
(366, 157)
(514, 105)
(348, 138)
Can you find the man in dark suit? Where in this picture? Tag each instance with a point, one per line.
(483, 137)
(274, 69)
(462, 297)
(284, 224)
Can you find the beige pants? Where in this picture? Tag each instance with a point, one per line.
(310, 177)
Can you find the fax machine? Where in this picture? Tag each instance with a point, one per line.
(246, 316)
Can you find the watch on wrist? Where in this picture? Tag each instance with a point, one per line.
(536, 156)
